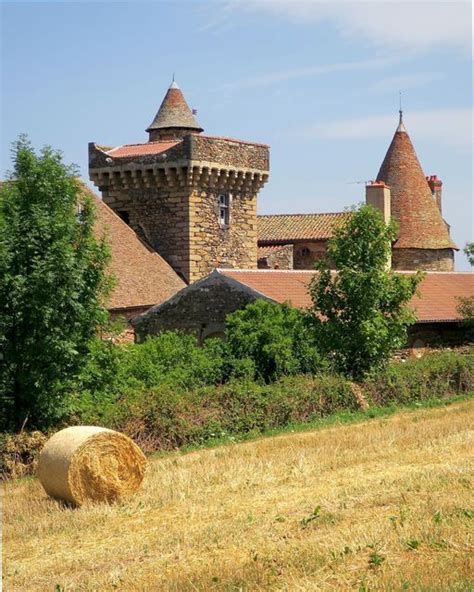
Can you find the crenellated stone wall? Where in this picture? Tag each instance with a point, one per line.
(171, 199)
(423, 259)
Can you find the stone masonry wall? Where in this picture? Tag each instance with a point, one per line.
(279, 258)
(423, 259)
(160, 217)
(198, 309)
(305, 254)
(211, 246)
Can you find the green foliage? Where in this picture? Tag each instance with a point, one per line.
(469, 251)
(52, 286)
(360, 314)
(274, 337)
(435, 375)
(466, 305)
(162, 415)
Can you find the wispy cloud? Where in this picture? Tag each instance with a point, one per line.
(407, 24)
(268, 78)
(447, 126)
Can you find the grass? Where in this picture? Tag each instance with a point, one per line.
(384, 504)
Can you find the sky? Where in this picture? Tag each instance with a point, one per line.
(317, 81)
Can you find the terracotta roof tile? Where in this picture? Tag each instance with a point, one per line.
(438, 301)
(281, 228)
(413, 206)
(128, 150)
(174, 112)
(143, 277)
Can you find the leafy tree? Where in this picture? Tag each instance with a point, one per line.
(466, 304)
(359, 314)
(469, 251)
(53, 284)
(274, 337)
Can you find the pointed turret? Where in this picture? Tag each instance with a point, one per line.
(174, 119)
(422, 227)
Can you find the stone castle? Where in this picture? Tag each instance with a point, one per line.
(193, 199)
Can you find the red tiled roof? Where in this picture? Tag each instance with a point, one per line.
(438, 301)
(142, 276)
(281, 228)
(140, 149)
(174, 112)
(412, 204)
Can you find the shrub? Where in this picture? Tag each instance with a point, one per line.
(274, 337)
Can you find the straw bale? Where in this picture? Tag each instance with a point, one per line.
(89, 463)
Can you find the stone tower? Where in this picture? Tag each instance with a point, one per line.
(191, 197)
(415, 201)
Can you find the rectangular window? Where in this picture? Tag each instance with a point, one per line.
(224, 209)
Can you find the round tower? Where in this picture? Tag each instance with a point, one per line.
(174, 119)
(423, 240)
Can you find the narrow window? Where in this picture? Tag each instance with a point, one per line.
(224, 209)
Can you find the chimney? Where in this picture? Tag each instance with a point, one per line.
(377, 194)
(436, 189)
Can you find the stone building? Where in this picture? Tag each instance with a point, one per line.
(191, 197)
(201, 308)
(401, 191)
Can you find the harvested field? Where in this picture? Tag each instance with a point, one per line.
(382, 505)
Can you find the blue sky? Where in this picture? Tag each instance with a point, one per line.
(318, 81)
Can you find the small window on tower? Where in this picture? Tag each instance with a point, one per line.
(224, 209)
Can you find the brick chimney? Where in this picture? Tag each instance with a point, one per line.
(377, 194)
(436, 186)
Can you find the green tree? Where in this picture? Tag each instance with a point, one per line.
(466, 304)
(469, 251)
(53, 284)
(274, 337)
(360, 314)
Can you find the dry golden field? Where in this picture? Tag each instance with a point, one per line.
(381, 505)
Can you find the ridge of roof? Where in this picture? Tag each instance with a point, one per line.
(174, 112)
(421, 225)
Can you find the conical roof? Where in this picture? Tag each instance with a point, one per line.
(412, 204)
(174, 112)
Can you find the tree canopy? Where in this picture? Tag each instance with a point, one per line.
(53, 285)
(360, 313)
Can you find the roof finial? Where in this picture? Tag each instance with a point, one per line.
(401, 127)
(173, 83)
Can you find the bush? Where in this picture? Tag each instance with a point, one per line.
(274, 338)
(435, 376)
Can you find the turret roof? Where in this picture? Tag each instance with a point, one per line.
(174, 112)
(412, 204)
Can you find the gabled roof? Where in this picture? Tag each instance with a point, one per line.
(174, 112)
(412, 204)
(143, 278)
(284, 228)
(438, 300)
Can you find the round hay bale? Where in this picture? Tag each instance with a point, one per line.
(88, 463)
